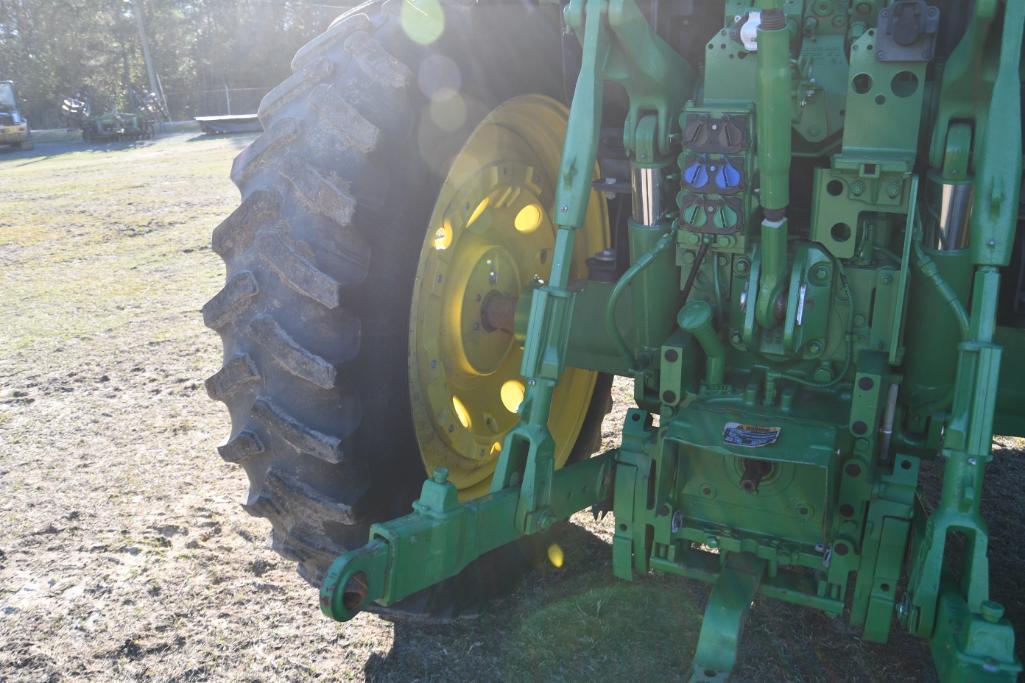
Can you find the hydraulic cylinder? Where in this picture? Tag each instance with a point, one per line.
(774, 130)
(652, 291)
(773, 111)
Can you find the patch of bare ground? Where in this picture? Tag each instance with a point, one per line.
(124, 553)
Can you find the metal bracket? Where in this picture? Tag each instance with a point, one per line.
(907, 31)
(725, 614)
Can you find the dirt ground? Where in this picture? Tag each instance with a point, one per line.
(124, 553)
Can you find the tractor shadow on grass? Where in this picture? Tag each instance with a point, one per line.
(574, 621)
(579, 623)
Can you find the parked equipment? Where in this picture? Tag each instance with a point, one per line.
(791, 224)
(230, 124)
(137, 122)
(14, 129)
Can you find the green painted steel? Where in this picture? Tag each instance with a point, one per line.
(815, 316)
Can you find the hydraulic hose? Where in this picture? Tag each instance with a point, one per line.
(689, 285)
(720, 305)
(645, 260)
(928, 268)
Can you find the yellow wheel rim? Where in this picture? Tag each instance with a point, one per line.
(491, 231)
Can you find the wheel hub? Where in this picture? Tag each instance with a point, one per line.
(488, 244)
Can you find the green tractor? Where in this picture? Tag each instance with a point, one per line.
(794, 225)
(14, 129)
(137, 122)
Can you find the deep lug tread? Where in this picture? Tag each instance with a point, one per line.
(283, 543)
(232, 377)
(236, 232)
(256, 156)
(293, 432)
(348, 257)
(245, 445)
(334, 194)
(229, 303)
(318, 193)
(344, 121)
(300, 548)
(297, 272)
(328, 41)
(376, 63)
(300, 362)
(304, 504)
(292, 88)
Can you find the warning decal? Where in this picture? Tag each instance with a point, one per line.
(749, 436)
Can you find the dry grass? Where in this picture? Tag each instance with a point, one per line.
(124, 554)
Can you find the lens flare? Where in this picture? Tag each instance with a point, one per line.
(422, 20)
(439, 77)
(555, 555)
(448, 113)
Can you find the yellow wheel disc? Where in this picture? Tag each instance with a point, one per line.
(491, 233)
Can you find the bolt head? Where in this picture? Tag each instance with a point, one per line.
(440, 475)
(992, 611)
(677, 521)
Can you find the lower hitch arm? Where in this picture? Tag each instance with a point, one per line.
(441, 537)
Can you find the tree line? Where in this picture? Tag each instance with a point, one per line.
(199, 48)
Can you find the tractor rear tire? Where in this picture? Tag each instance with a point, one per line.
(321, 258)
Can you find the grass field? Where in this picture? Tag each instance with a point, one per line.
(124, 553)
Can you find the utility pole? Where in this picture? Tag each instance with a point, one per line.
(151, 73)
